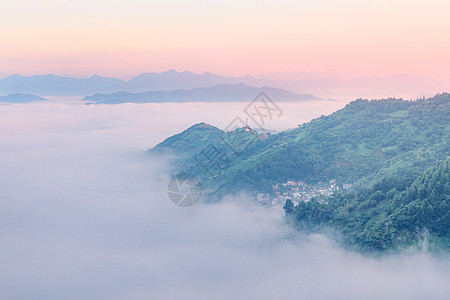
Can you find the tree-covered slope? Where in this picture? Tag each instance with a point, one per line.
(360, 144)
(207, 151)
(392, 214)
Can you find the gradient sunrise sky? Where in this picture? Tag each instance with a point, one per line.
(120, 37)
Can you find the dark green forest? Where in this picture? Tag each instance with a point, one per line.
(394, 152)
(392, 214)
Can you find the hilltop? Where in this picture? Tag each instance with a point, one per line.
(218, 93)
(360, 144)
(20, 98)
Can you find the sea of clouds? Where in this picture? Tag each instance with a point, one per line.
(84, 214)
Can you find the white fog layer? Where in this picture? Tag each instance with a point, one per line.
(85, 214)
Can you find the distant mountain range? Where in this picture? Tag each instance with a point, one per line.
(217, 93)
(322, 84)
(20, 98)
(53, 85)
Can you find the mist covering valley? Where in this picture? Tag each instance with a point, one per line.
(158, 150)
(85, 215)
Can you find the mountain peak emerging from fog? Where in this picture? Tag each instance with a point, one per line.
(20, 98)
(239, 92)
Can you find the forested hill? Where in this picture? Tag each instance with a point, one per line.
(394, 213)
(360, 144)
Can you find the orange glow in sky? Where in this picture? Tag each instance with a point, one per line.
(118, 37)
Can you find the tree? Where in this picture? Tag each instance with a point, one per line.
(288, 207)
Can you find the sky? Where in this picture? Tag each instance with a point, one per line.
(235, 37)
(85, 215)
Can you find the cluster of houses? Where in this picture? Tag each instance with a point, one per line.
(299, 191)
